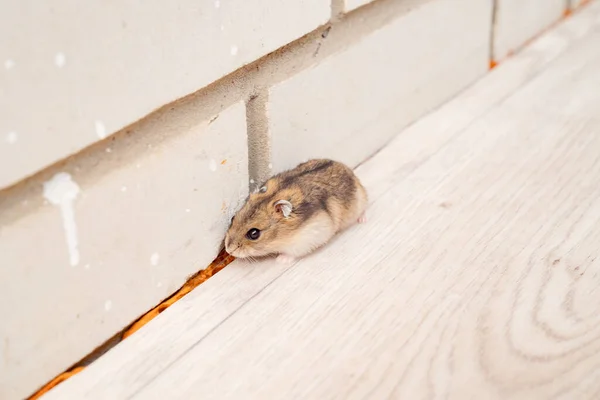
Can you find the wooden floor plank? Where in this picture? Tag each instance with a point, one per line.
(476, 276)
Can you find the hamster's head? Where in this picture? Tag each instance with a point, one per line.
(263, 225)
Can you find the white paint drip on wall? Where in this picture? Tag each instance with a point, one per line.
(123, 188)
(60, 59)
(222, 28)
(212, 165)
(217, 4)
(158, 284)
(100, 129)
(187, 210)
(154, 258)
(234, 50)
(9, 64)
(107, 305)
(62, 191)
(11, 137)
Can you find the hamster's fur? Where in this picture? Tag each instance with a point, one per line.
(297, 211)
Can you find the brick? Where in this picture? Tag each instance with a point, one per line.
(350, 5)
(142, 230)
(352, 103)
(519, 21)
(71, 74)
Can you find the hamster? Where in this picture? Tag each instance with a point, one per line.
(297, 211)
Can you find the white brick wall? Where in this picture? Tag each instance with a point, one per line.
(518, 21)
(142, 230)
(352, 103)
(74, 71)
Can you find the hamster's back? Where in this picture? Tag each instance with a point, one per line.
(326, 186)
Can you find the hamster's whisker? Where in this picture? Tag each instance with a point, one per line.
(252, 260)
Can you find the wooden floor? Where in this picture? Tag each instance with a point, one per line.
(476, 277)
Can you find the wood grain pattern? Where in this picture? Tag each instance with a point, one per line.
(477, 276)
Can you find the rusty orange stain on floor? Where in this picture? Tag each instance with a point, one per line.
(222, 260)
(223, 161)
(218, 264)
(59, 379)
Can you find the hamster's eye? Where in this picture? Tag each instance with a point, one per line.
(253, 234)
(263, 189)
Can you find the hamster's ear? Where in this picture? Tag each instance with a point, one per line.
(284, 207)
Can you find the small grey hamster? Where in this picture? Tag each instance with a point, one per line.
(297, 211)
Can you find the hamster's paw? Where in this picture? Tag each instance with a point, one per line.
(285, 259)
(362, 219)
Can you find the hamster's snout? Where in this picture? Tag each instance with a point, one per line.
(228, 243)
(230, 248)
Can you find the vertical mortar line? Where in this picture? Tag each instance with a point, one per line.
(259, 138)
(569, 6)
(494, 16)
(337, 9)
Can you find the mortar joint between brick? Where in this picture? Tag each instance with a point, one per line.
(337, 10)
(492, 55)
(569, 6)
(259, 138)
